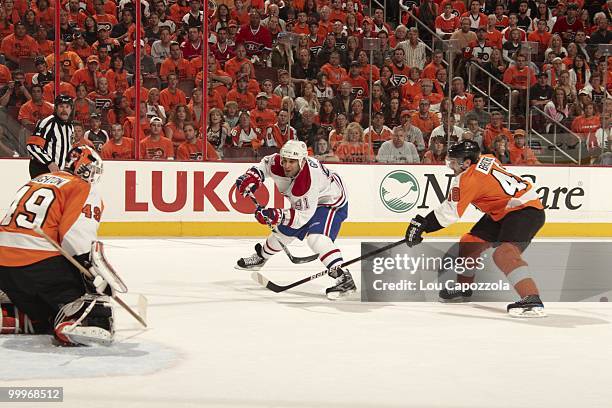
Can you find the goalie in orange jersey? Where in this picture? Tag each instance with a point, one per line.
(46, 293)
(513, 214)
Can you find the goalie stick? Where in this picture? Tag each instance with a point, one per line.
(268, 284)
(142, 302)
(294, 259)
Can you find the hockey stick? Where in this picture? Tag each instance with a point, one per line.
(85, 272)
(294, 259)
(263, 281)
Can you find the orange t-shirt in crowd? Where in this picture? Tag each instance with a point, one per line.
(45, 17)
(69, 61)
(83, 111)
(354, 152)
(130, 94)
(177, 12)
(169, 99)
(262, 119)
(129, 128)
(426, 125)
(5, 75)
(432, 159)
(85, 76)
(33, 113)
(117, 81)
(494, 39)
(215, 100)
(180, 67)
(433, 98)
(522, 155)
(409, 91)
(401, 75)
(373, 137)
(430, 70)
(335, 75)
(457, 5)
(162, 149)
(245, 101)
(178, 135)
(543, 39)
(301, 29)
(193, 151)
(359, 86)
(65, 88)
(463, 104)
(447, 26)
(517, 78)
(16, 48)
(6, 31)
(365, 72)
(274, 102)
(45, 47)
(232, 66)
(114, 151)
(586, 127)
(491, 133)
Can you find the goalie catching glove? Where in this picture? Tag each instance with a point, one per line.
(249, 181)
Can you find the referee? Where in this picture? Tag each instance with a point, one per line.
(52, 139)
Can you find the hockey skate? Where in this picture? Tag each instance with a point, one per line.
(529, 306)
(454, 295)
(344, 284)
(252, 263)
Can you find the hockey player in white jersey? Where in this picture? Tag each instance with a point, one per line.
(318, 207)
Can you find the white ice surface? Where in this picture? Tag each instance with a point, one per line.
(216, 339)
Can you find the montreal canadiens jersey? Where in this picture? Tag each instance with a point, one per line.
(314, 186)
(490, 188)
(64, 206)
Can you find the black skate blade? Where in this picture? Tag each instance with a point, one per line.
(456, 300)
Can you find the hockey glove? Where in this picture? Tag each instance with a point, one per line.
(249, 181)
(269, 216)
(415, 231)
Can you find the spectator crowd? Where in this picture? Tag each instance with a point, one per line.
(302, 69)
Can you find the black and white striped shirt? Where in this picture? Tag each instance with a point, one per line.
(51, 141)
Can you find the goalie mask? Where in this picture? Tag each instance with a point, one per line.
(84, 162)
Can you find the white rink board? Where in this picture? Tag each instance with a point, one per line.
(204, 192)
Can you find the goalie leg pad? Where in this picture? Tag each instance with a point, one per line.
(85, 321)
(14, 321)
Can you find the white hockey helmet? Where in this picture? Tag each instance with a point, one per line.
(86, 163)
(294, 149)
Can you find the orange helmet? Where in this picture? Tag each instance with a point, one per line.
(84, 162)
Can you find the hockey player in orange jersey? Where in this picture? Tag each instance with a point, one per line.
(48, 295)
(513, 214)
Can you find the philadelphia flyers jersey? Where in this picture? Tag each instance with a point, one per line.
(490, 188)
(64, 206)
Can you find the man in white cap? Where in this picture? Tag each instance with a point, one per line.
(318, 207)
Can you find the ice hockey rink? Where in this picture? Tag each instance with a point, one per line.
(217, 339)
